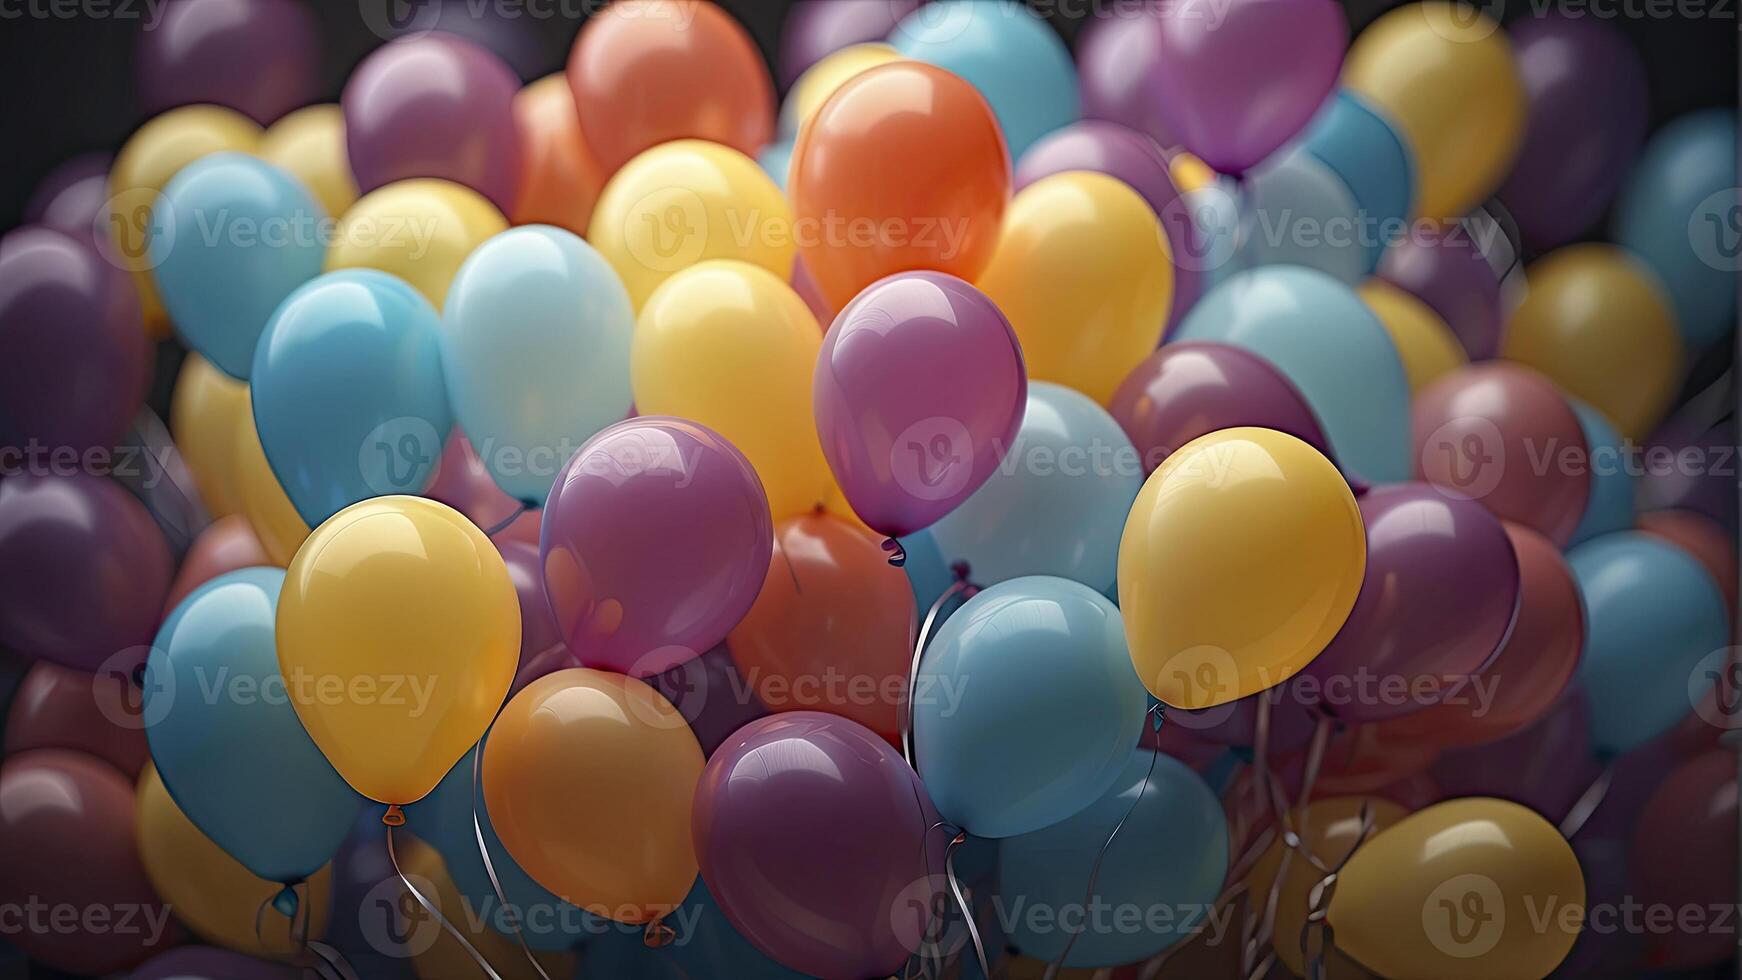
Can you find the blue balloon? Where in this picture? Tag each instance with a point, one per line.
(927, 573)
(1056, 504)
(225, 737)
(348, 393)
(1026, 706)
(776, 161)
(1610, 506)
(1652, 617)
(1681, 213)
(535, 342)
(1215, 211)
(1296, 211)
(703, 944)
(1005, 50)
(1323, 338)
(1363, 149)
(230, 238)
(1165, 868)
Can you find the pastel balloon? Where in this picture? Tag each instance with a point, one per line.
(1610, 505)
(226, 545)
(1679, 854)
(309, 144)
(912, 157)
(1302, 213)
(1447, 77)
(1319, 334)
(259, 57)
(1598, 324)
(398, 587)
(656, 539)
(919, 389)
(541, 646)
(712, 696)
(816, 28)
(1365, 151)
(820, 81)
(206, 408)
(55, 707)
(418, 230)
(1426, 346)
(560, 178)
(512, 34)
(1117, 55)
(776, 161)
(1085, 277)
(1449, 271)
(435, 105)
(646, 72)
(1265, 597)
(535, 341)
(275, 520)
(463, 482)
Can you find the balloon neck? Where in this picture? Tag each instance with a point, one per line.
(285, 902)
(657, 934)
(897, 553)
(394, 817)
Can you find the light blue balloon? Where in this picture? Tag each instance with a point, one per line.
(1319, 333)
(1165, 868)
(927, 573)
(1652, 615)
(225, 737)
(1681, 213)
(1056, 504)
(348, 393)
(1296, 211)
(1026, 706)
(1005, 50)
(230, 238)
(1215, 211)
(776, 161)
(704, 944)
(535, 343)
(1365, 151)
(1610, 506)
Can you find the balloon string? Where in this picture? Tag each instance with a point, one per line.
(1588, 802)
(963, 904)
(897, 552)
(966, 590)
(1317, 937)
(1291, 838)
(393, 859)
(503, 525)
(508, 910)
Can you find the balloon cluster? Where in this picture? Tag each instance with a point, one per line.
(995, 510)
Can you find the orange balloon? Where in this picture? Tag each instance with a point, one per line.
(560, 179)
(226, 545)
(1703, 538)
(833, 627)
(904, 167)
(645, 72)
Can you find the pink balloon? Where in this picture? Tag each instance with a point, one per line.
(226, 545)
(57, 708)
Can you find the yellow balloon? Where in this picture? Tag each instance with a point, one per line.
(1189, 173)
(1597, 322)
(145, 165)
(1444, 73)
(1424, 343)
(1083, 272)
(436, 954)
(820, 80)
(419, 230)
(706, 334)
(398, 635)
(204, 413)
(1474, 887)
(310, 144)
(685, 202)
(1241, 559)
(269, 511)
(209, 890)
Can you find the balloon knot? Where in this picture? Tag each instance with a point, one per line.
(898, 554)
(961, 570)
(658, 934)
(394, 817)
(285, 902)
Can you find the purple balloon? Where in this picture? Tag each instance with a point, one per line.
(508, 31)
(73, 197)
(1689, 463)
(211, 963)
(816, 28)
(1451, 274)
(259, 57)
(820, 845)
(1438, 599)
(919, 390)
(434, 106)
(367, 922)
(1134, 158)
(1115, 59)
(1586, 91)
(656, 540)
(542, 649)
(83, 571)
(1545, 767)
(161, 480)
(711, 695)
(1236, 723)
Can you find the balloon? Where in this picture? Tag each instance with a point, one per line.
(226, 545)
(1365, 151)
(309, 144)
(1159, 799)
(1459, 887)
(275, 520)
(74, 369)
(821, 80)
(74, 197)
(1085, 277)
(1684, 857)
(210, 892)
(1426, 346)
(656, 539)
(645, 72)
(206, 409)
(1057, 504)
(1448, 270)
(1680, 198)
(1610, 506)
(1681, 467)
(816, 28)
(434, 952)
(1483, 431)
(759, 807)
(419, 230)
(143, 169)
(97, 714)
(1653, 617)
(66, 841)
(560, 178)
(1319, 334)
(232, 237)
(1587, 110)
(628, 856)
(513, 34)
(349, 401)
(541, 646)
(435, 105)
(150, 467)
(712, 696)
(1546, 765)
(1703, 538)
(259, 57)
(1265, 596)
(707, 947)
(1446, 76)
(404, 608)
(1020, 652)
(832, 629)
(776, 161)
(903, 168)
(210, 963)
(1299, 212)
(83, 571)
(1007, 52)
(1596, 322)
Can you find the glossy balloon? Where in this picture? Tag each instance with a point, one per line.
(206, 409)
(560, 178)
(276, 523)
(226, 545)
(1703, 538)
(1367, 153)
(1426, 346)
(74, 197)
(816, 28)
(1449, 271)
(259, 57)
(56, 707)
(712, 696)
(1610, 505)
(1299, 212)
(309, 144)
(419, 230)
